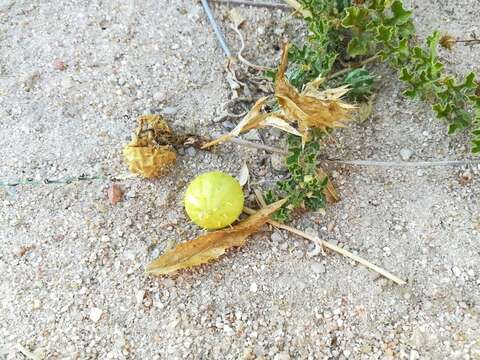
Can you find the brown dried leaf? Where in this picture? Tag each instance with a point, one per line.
(275, 120)
(210, 246)
(115, 194)
(150, 153)
(329, 191)
(447, 42)
(256, 119)
(311, 108)
(254, 115)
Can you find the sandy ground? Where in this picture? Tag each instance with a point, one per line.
(74, 75)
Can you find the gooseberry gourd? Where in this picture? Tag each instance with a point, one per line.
(214, 200)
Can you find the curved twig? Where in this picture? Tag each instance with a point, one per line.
(242, 47)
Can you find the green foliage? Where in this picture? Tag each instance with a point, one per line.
(318, 54)
(385, 29)
(378, 27)
(303, 188)
(360, 82)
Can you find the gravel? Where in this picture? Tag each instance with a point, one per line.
(406, 154)
(74, 76)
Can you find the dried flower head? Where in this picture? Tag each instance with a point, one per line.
(150, 154)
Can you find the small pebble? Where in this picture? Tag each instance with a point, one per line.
(170, 110)
(278, 162)
(36, 304)
(253, 287)
(456, 271)
(318, 268)
(159, 96)
(139, 296)
(282, 356)
(115, 194)
(191, 151)
(59, 65)
(169, 283)
(228, 125)
(406, 154)
(253, 135)
(95, 314)
(276, 237)
(414, 355)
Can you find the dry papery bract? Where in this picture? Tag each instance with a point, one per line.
(150, 154)
(310, 108)
(212, 245)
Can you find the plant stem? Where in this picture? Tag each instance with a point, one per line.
(251, 3)
(355, 66)
(375, 163)
(468, 41)
(254, 145)
(240, 55)
(333, 247)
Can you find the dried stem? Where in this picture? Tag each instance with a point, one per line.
(468, 41)
(251, 3)
(326, 244)
(254, 145)
(355, 66)
(374, 163)
(240, 55)
(333, 247)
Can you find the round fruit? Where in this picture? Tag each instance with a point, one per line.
(214, 200)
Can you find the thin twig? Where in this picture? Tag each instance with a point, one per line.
(355, 66)
(251, 3)
(242, 47)
(66, 180)
(216, 29)
(406, 164)
(255, 145)
(376, 163)
(333, 247)
(469, 41)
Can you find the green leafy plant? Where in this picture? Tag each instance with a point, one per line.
(304, 188)
(385, 29)
(341, 32)
(343, 36)
(360, 82)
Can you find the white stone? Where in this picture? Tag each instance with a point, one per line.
(139, 296)
(95, 314)
(318, 268)
(406, 154)
(282, 356)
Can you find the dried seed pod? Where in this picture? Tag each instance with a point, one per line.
(150, 154)
(447, 41)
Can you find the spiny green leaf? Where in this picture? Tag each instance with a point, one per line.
(384, 33)
(400, 15)
(379, 5)
(358, 46)
(356, 17)
(360, 82)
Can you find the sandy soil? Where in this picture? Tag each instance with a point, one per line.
(74, 75)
